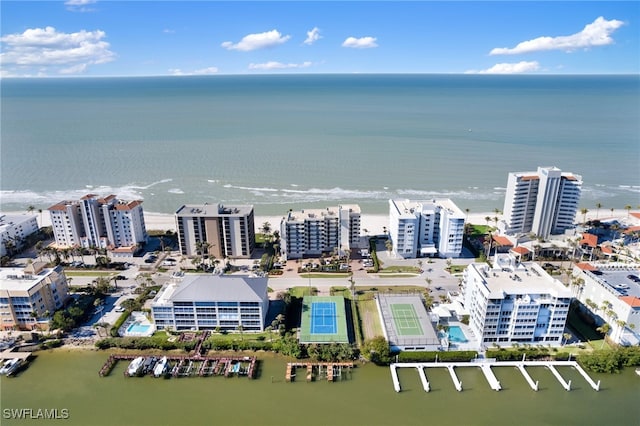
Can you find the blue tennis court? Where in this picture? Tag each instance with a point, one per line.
(323, 318)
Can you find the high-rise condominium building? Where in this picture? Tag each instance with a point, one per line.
(29, 295)
(14, 229)
(512, 302)
(93, 221)
(426, 228)
(218, 230)
(312, 232)
(544, 202)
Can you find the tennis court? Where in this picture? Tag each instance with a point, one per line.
(407, 325)
(323, 320)
(405, 319)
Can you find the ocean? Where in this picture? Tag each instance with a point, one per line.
(284, 142)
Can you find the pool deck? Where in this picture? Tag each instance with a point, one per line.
(485, 367)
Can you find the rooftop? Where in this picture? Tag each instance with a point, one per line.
(17, 279)
(219, 288)
(615, 278)
(508, 276)
(213, 210)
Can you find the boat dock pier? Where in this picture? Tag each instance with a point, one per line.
(486, 368)
(491, 378)
(330, 370)
(423, 378)
(185, 366)
(456, 382)
(534, 385)
(11, 354)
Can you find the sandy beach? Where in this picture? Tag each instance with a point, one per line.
(372, 223)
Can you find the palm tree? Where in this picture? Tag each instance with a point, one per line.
(240, 330)
(352, 287)
(584, 212)
(628, 209)
(487, 219)
(604, 330)
(30, 209)
(598, 207)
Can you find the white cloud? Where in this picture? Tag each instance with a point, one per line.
(273, 65)
(596, 33)
(79, 5)
(203, 71)
(313, 36)
(360, 43)
(509, 68)
(78, 2)
(168, 31)
(48, 48)
(257, 41)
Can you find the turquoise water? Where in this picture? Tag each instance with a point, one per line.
(456, 334)
(136, 327)
(282, 142)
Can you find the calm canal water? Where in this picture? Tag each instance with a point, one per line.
(63, 379)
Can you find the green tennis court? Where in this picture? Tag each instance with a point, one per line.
(405, 319)
(323, 320)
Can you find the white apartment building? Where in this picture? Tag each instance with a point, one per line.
(611, 292)
(512, 302)
(28, 294)
(544, 202)
(426, 228)
(93, 221)
(227, 231)
(205, 302)
(14, 229)
(312, 232)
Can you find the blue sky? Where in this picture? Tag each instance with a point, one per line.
(125, 38)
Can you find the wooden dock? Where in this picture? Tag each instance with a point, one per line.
(196, 365)
(10, 354)
(332, 370)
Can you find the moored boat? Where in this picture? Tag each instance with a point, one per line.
(161, 367)
(135, 366)
(11, 366)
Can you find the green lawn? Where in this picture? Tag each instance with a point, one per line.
(370, 319)
(367, 293)
(302, 291)
(457, 269)
(397, 269)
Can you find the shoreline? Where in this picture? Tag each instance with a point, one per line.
(373, 223)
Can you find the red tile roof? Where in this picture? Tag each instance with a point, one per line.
(589, 239)
(636, 215)
(632, 229)
(606, 249)
(632, 301)
(520, 250)
(503, 241)
(586, 266)
(534, 177)
(128, 206)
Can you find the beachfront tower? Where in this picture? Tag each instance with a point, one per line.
(103, 222)
(218, 230)
(512, 302)
(313, 232)
(426, 228)
(544, 202)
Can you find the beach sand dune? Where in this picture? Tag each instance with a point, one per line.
(374, 224)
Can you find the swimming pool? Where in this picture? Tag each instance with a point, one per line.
(456, 335)
(136, 327)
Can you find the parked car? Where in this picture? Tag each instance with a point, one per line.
(119, 309)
